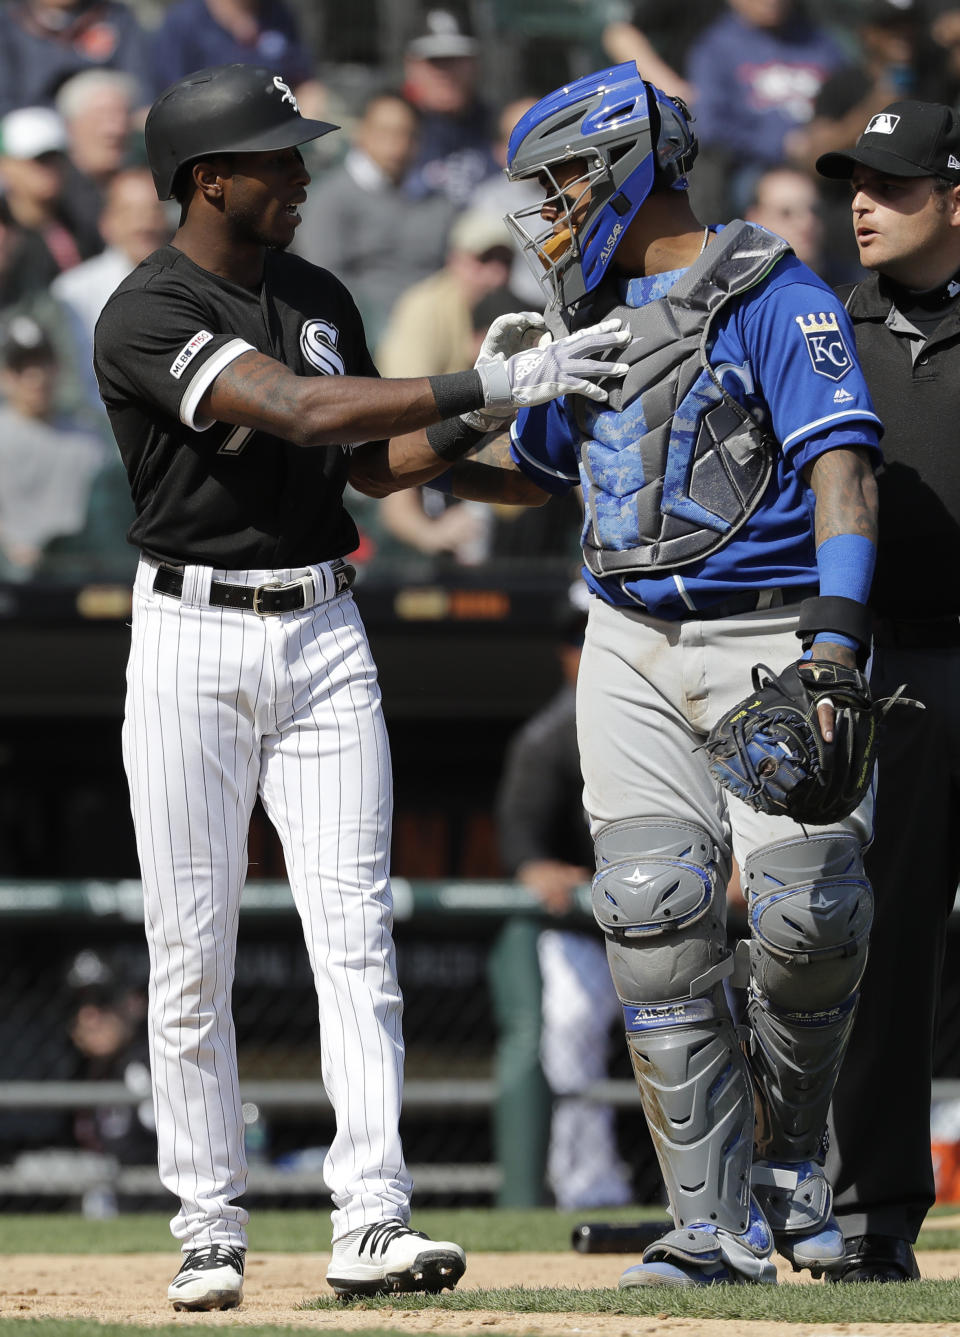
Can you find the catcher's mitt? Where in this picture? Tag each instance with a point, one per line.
(768, 750)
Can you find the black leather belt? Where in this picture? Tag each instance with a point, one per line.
(921, 633)
(268, 600)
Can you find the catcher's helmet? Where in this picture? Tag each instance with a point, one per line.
(631, 135)
(224, 109)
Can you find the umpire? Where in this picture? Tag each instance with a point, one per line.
(905, 178)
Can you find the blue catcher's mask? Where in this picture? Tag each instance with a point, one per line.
(628, 135)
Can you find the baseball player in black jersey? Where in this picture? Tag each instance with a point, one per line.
(243, 398)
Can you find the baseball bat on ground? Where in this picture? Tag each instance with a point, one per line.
(617, 1237)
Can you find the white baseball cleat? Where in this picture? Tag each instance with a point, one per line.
(210, 1278)
(389, 1257)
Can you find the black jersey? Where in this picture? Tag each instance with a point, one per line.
(211, 492)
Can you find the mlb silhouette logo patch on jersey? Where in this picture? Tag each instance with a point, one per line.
(828, 353)
(884, 123)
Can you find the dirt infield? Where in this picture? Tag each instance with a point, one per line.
(131, 1289)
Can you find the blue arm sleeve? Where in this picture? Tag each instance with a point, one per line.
(845, 563)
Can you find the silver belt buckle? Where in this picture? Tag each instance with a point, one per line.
(258, 591)
(305, 583)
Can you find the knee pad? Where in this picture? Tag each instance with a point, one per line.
(810, 911)
(656, 897)
(653, 876)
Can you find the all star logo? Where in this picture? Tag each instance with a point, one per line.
(611, 242)
(318, 344)
(286, 93)
(636, 878)
(882, 124)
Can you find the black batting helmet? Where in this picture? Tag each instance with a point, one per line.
(224, 109)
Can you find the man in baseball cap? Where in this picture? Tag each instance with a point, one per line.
(904, 174)
(905, 139)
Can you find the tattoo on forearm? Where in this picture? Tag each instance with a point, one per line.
(475, 481)
(254, 381)
(496, 453)
(846, 493)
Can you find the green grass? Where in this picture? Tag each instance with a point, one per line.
(920, 1302)
(478, 1230)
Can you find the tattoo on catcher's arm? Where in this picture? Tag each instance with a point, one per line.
(846, 493)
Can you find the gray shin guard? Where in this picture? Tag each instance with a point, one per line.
(697, 1095)
(810, 910)
(659, 900)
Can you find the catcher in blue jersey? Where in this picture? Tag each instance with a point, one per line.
(729, 532)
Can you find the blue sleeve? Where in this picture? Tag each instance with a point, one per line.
(800, 344)
(545, 445)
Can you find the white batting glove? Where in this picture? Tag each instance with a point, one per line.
(561, 367)
(507, 335)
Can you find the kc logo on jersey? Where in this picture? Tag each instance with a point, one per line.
(318, 344)
(828, 352)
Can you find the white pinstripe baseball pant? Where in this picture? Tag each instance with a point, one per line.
(223, 704)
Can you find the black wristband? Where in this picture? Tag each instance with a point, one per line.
(457, 392)
(452, 438)
(833, 612)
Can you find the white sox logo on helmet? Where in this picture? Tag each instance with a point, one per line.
(318, 344)
(286, 93)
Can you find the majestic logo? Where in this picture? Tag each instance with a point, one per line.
(189, 350)
(611, 241)
(318, 344)
(841, 396)
(286, 93)
(828, 353)
(882, 124)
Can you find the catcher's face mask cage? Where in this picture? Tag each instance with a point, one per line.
(627, 133)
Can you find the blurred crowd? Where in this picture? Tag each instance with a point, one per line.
(406, 204)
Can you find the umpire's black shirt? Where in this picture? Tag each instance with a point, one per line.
(209, 492)
(915, 386)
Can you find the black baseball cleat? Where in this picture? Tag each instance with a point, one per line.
(389, 1257)
(874, 1258)
(210, 1278)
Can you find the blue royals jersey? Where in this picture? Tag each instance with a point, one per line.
(784, 350)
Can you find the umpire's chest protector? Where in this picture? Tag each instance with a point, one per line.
(674, 466)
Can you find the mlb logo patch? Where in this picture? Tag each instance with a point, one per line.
(882, 124)
(828, 353)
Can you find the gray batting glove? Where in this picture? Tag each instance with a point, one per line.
(537, 375)
(508, 334)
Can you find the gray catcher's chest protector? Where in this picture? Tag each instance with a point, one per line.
(679, 465)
